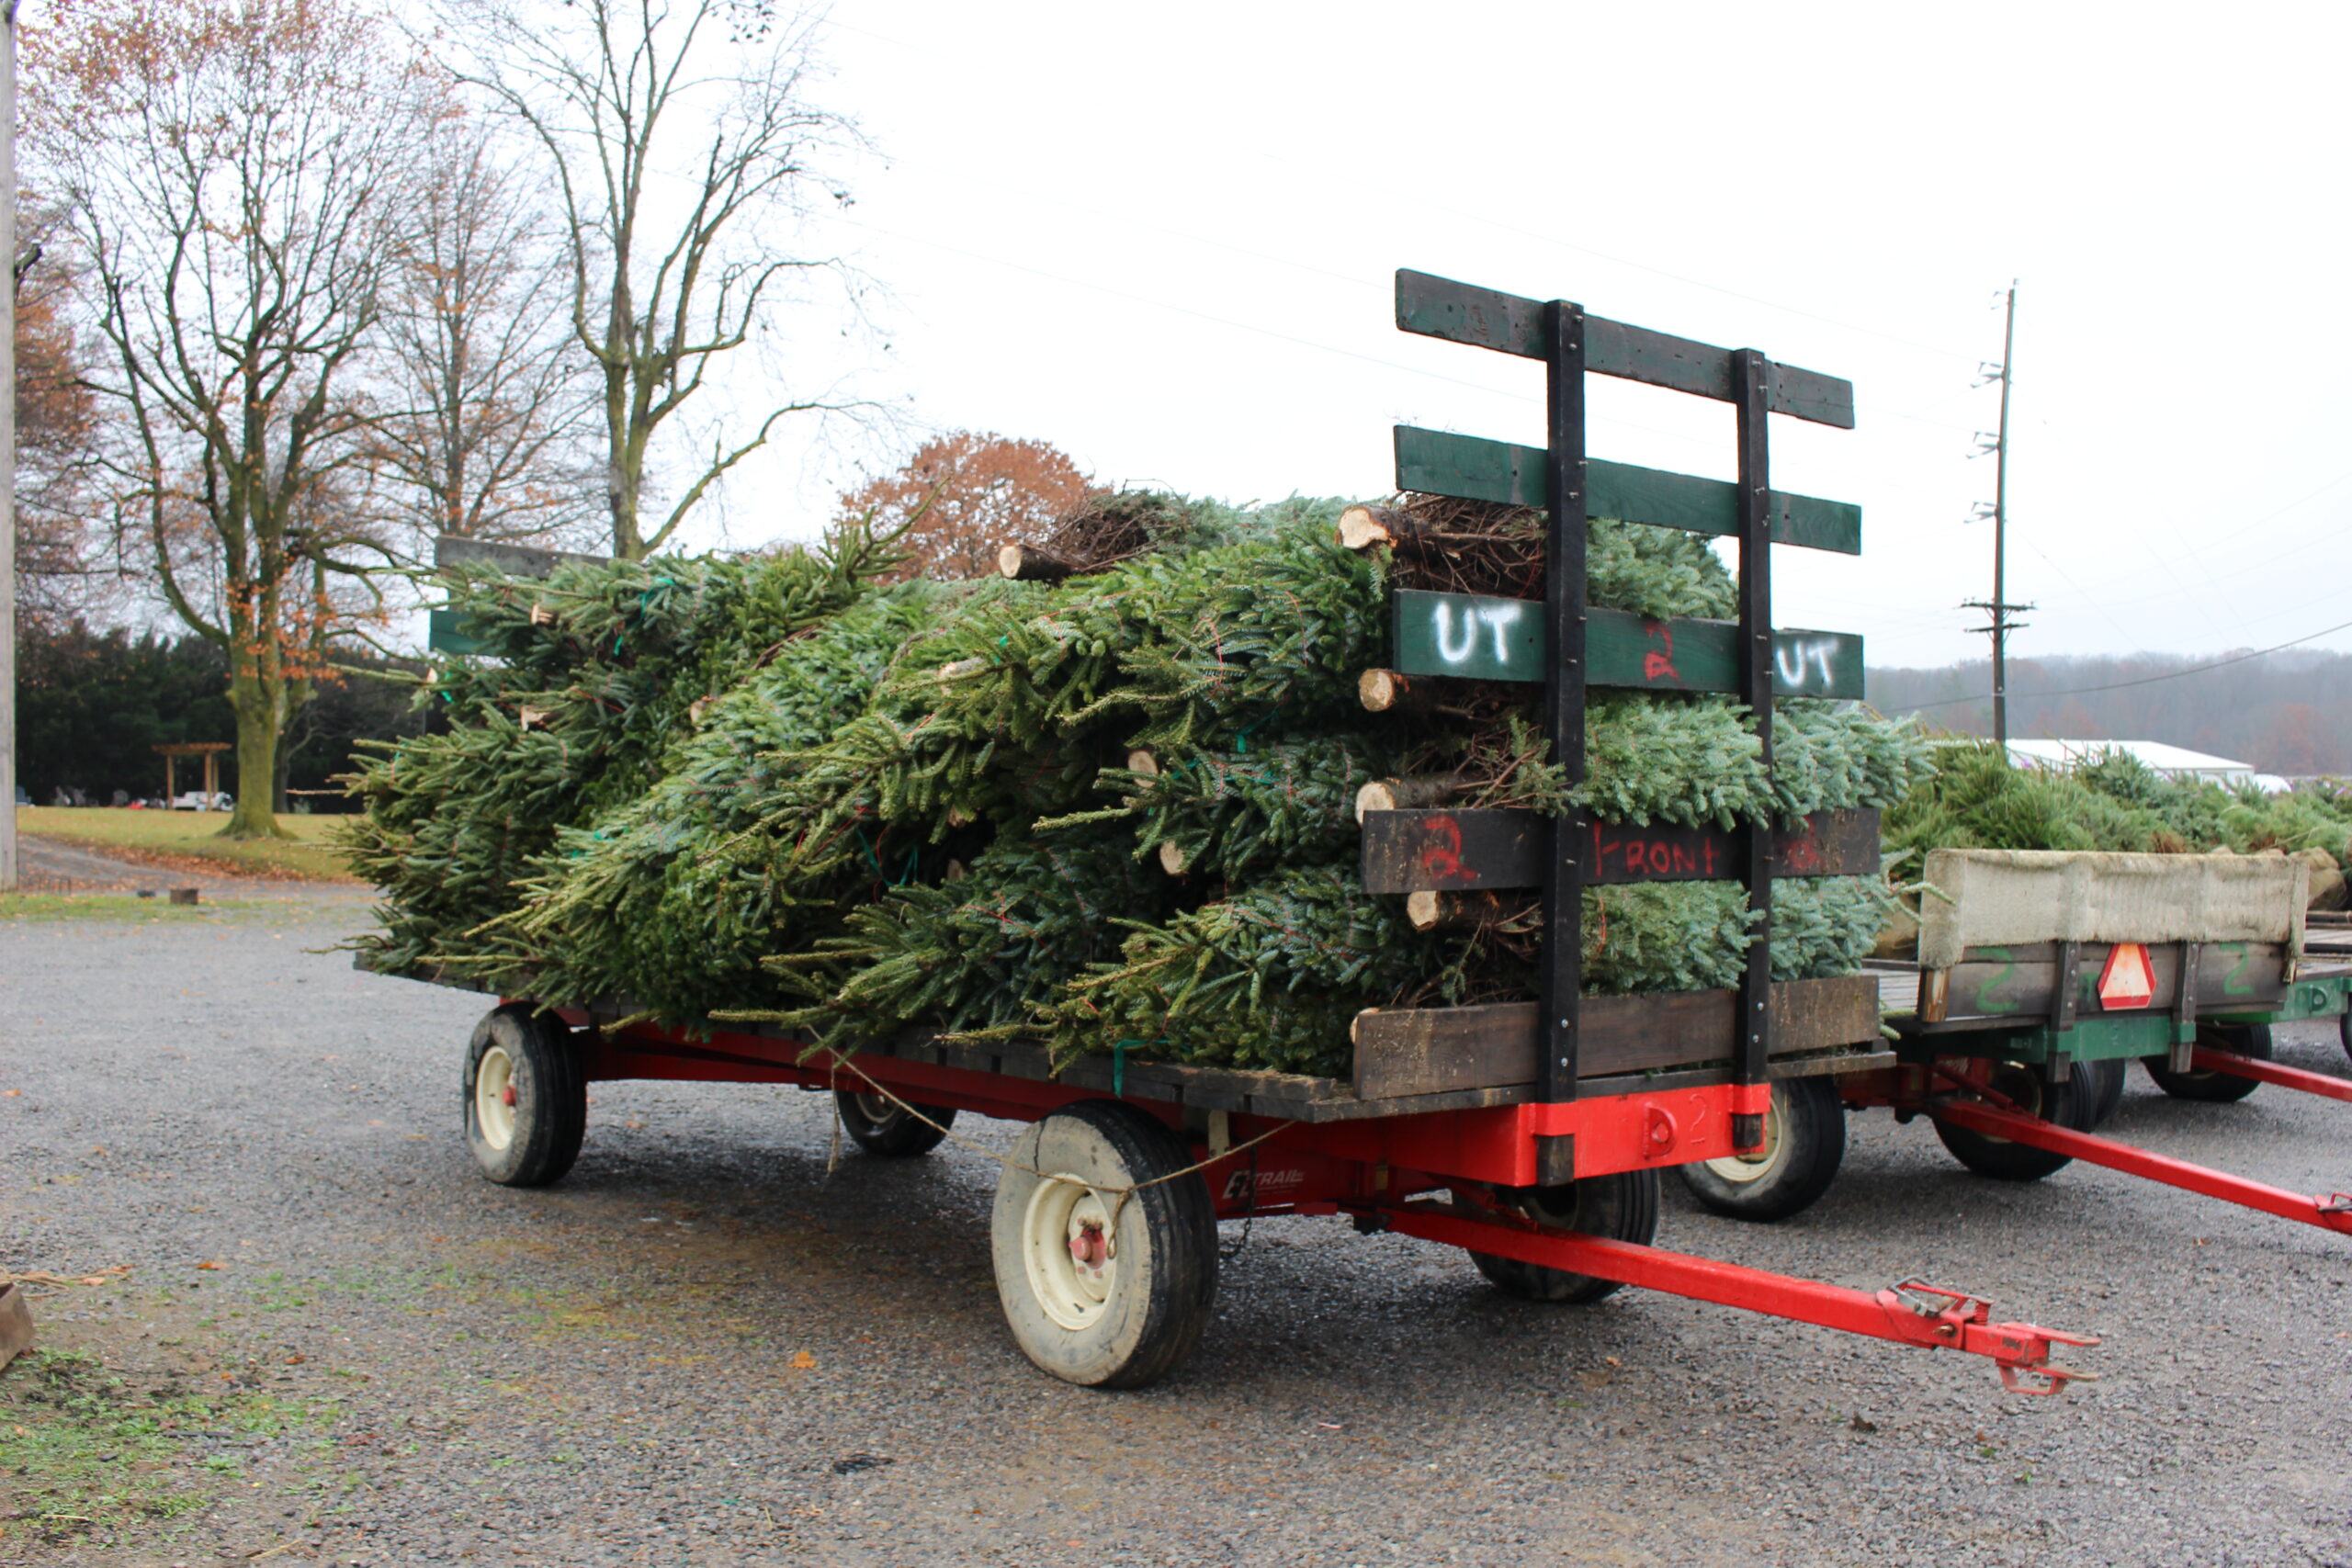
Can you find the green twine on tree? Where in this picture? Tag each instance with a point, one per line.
(1119, 1063)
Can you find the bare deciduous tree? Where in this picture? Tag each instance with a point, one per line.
(228, 166)
(685, 149)
(494, 401)
(57, 422)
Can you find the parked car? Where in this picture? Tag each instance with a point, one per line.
(197, 800)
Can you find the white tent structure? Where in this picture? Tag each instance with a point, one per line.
(2169, 762)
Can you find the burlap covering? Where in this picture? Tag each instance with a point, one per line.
(2001, 898)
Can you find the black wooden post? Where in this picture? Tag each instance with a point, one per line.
(1563, 683)
(1752, 374)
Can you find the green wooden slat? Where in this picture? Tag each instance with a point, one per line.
(1468, 635)
(1439, 463)
(1436, 462)
(1476, 637)
(1464, 312)
(1622, 649)
(514, 560)
(1810, 395)
(1510, 323)
(448, 635)
(1711, 506)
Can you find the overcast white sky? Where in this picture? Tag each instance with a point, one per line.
(1162, 237)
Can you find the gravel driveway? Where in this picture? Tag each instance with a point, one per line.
(336, 1343)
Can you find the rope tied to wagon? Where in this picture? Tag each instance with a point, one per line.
(842, 1062)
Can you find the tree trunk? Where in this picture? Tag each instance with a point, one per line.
(285, 754)
(256, 760)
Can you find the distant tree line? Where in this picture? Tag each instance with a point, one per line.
(93, 706)
(2285, 713)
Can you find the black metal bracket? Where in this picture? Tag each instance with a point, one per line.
(2066, 985)
(1753, 1036)
(1555, 1158)
(1562, 980)
(2065, 988)
(2184, 1008)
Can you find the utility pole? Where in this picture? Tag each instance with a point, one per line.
(1998, 608)
(9, 450)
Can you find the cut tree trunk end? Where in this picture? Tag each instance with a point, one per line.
(1365, 527)
(1171, 860)
(1386, 691)
(1467, 911)
(1142, 761)
(1404, 795)
(1380, 690)
(1027, 563)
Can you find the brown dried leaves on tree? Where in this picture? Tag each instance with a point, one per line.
(56, 421)
(965, 495)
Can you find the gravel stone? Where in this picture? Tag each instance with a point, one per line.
(603, 1371)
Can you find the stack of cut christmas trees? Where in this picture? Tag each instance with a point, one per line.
(1107, 799)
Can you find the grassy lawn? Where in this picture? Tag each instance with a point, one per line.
(181, 836)
(95, 1459)
(112, 906)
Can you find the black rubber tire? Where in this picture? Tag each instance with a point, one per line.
(2105, 1077)
(2068, 1104)
(881, 1128)
(550, 1096)
(1622, 1207)
(2343, 1030)
(1160, 1281)
(2219, 1089)
(1804, 1143)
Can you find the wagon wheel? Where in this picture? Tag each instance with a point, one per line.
(2069, 1105)
(525, 1101)
(2343, 1030)
(1105, 1281)
(1621, 1207)
(879, 1125)
(1804, 1140)
(2201, 1083)
(2105, 1087)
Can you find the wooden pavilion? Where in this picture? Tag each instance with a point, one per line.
(209, 749)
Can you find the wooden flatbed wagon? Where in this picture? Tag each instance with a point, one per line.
(1103, 1230)
(1531, 1134)
(2042, 978)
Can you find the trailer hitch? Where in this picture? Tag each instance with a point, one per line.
(1910, 1314)
(1964, 1321)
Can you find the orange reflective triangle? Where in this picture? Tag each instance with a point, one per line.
(2130, 979)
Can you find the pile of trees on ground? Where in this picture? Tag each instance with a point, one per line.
(1106, 797)
(1975, 799)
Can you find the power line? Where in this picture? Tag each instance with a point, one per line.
(1473, 216)
(2144, 681)
(1197, 314)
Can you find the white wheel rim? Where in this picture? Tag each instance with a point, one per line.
(494, 1097)
(875, 1109)
(1758, 1163)
(1069, 1251)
